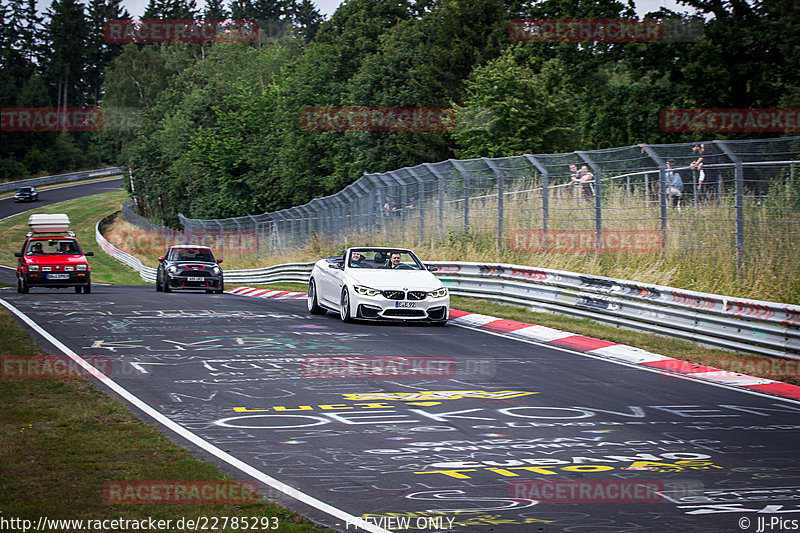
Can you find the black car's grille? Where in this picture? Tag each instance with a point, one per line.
(394, 295)
(198, 273)
(416, 295)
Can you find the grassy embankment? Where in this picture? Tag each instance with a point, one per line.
(61, 440)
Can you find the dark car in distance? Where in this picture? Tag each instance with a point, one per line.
(26, 194)
(187, 266)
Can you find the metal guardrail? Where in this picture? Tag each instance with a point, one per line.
(61, 178)
(147, 273)
(285, 273)
(752, 326)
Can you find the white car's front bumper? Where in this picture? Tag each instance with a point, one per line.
(406, 308)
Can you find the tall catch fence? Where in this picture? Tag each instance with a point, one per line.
(743, 205)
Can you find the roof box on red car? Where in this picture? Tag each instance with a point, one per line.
(48, 223)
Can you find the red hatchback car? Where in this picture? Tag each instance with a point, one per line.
(52, 257)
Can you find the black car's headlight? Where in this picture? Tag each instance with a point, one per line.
(366, 291)
(216, 271)
(172, 269)
(438, 293)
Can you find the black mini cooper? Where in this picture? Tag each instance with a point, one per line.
(186, 266)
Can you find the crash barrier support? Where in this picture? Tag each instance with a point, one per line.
(62, 178)
(738, 324)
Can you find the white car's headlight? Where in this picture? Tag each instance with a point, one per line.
(172, 269)
(438, 293)
(366, 291)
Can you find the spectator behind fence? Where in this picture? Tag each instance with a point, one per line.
(707, 177)
(585, 180)
(674, 184)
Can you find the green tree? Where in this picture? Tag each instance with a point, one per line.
(215, 10)
(514, 109)
(100, 52)
(68, 32)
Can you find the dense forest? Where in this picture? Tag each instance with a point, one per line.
(214, 130)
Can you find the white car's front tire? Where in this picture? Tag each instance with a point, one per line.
(313, 305)
(344, 307)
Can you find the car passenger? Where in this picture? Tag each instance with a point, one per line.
(357, 260)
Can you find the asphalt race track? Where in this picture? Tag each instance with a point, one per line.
(434, 429)
(46, 197)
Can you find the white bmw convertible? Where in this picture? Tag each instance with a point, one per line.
(378, 284)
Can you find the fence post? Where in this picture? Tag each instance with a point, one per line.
(465, 174)
(738, 184)
(440, 192)
(418, 203)
(662, 188)
(545, 195)
(500, 186)
(598, 206)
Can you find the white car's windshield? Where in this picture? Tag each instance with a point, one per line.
(386, 259)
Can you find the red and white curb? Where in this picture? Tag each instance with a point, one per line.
(622, 352)
(589, 345)
(266, 293)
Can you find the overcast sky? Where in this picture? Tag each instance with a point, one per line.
(327, 7)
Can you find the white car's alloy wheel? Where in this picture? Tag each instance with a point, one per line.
(344, 308)
(311, 301)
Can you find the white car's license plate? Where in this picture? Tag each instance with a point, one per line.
(195, 279)
(58, 276)
(405, 304)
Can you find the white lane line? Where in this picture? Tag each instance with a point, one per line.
(195, 439)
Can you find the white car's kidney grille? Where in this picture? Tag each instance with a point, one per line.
(394, 295)
(416, 295)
